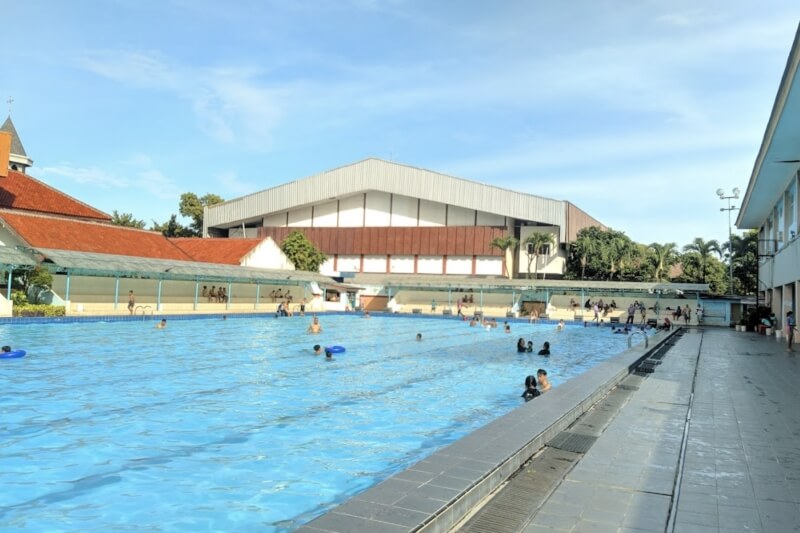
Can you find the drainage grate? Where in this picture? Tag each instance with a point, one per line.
(514, 505)
(572, 442)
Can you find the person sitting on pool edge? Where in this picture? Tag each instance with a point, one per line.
(521, 345)
(544, 383)
(162, 324)
(315, 327)
(545, 349)
(530, 389)
(317, 349)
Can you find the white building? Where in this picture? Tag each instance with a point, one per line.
(770, 202)
(376, 216)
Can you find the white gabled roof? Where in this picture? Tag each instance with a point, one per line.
(389, 177)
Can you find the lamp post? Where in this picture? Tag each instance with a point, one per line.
(734, 195)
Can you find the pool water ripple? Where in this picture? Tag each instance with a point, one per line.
(222, 425)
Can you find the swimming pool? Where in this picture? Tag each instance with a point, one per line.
(222, 425)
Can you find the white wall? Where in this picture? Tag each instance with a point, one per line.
(488, 266)
(458, 216)
(378, 205)
(554, 263)
(326, 269)
(401, 264)
(429, 264)
(404, 211)
(300, 217)
(351, 211)
(275, 221)
(432, 213)
(375, 263)
(490, 219)
(349, 263)
(459, 265)
(267, 255)
(326, 215)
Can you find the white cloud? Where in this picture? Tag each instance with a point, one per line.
(93, 176)
(231, 104)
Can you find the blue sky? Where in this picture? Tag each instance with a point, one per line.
(636, 111)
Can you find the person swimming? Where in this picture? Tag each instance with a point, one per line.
(328, 355)
(531, 391)
(529, 348)
(317, 349)
(315, 326)
(545, 349)
(162, 324)
(560, 325)
(544, 383)
(419, 337)
(521, 345)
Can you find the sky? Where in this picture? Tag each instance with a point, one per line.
(635, 111)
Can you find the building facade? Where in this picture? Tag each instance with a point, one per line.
(770, 202)
(377, 216)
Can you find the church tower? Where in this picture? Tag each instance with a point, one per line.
(18, 159)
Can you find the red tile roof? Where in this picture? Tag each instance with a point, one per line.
(42, 231)
(25, 193)
(226, 251)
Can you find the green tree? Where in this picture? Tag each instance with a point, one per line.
(711, 271)
(703, 249)
(34, 283)
(127, 220)
(663, 256)
(302, 252)
(173, 228)
(533, 246)
(507, 245)
(192, 206)
(745, 261)
(583, 258)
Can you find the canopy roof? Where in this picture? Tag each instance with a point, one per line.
(433, 282)
(94, 264)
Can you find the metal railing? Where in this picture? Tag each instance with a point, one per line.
(639, 332)
(144, 309)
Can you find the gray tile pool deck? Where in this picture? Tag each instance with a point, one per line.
(723, 405)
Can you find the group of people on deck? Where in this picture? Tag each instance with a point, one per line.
(215, 295)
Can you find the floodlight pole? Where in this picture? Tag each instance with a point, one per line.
(722, 196)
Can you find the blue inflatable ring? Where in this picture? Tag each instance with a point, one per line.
(14, 354)
(335, 349)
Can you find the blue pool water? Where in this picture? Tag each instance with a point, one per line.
(234, 425)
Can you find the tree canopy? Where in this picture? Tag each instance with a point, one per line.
(302, 252)
(127, 220)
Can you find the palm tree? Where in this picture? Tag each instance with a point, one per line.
(506, 245)
(664, 255)
(533, 247)
(703, 249)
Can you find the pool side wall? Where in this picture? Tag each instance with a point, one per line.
(434, 494)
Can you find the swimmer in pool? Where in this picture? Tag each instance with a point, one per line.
(162, 324)
(544, 383)
(545, 349)
(521, 345)
(315, 328)
(317, 349)
(560, 325)
(419, 337)
(329, 355)
(530, 389)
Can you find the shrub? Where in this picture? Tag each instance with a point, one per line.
(39, 310)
